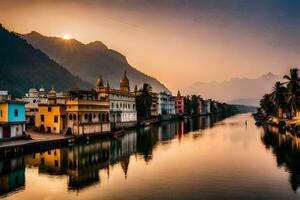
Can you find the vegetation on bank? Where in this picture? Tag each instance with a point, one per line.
(284, 100)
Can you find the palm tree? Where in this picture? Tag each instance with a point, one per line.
(267, 105)
(144, 101)
(293, 90)
(278, 97)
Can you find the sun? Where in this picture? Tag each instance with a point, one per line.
(66, 36)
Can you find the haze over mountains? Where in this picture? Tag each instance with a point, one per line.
(22, 67)
(91, 60)
(237, 90)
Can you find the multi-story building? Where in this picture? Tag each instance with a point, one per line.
(12, 118)
(179, 103)
(154, 104)
(122, 105)
(206, 107)
(88, 111)
(80, 112)
(33, 98)
(166, 103)
(51, 115)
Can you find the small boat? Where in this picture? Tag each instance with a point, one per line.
(118, 133)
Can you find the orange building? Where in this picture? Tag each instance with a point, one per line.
(179, 103)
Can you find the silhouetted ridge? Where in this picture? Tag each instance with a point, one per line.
(22, 67)
(90, 60)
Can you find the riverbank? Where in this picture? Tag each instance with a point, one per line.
(37, 142)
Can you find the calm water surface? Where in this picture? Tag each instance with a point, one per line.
(195, 159)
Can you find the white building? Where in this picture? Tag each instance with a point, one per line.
(33, 98)
(122, 106)
(166, 103)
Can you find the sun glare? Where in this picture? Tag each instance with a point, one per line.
(66, 36)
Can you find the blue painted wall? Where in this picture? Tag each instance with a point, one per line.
(11, 112)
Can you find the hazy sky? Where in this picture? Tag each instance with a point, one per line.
(177, 41)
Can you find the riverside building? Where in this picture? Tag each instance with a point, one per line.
(122, 105)
(33, 98)
(166, 103)
(12, 119)
(179, 103)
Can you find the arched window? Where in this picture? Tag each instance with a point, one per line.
(90, 117)
(99, 117)
(94, 116)
(128, 106)
(117, 105)
(103, 117)
(70, 117)
(107, 117)
(85, 116)
(112, 105)
(74, 116)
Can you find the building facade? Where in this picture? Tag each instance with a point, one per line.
(51, 115)
(123, 111)
(166, 103)
(12, 119)
(87, 112)
(33, 98)
(179, 103)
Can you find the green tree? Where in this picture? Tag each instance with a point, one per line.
(267, 105)
(187, 105)
(293, 91)
(144, 101)
(195, 105)
(278, 96)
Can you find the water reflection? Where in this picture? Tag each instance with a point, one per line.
(286, 148)
(82, 163)
(12, 175)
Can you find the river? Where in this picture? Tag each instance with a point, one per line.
(201, 158)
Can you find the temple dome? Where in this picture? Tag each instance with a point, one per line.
(124, 83)
(100, 82)
(52, 93)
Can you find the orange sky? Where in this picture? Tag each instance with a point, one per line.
(177, 45)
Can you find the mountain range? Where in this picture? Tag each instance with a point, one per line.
(243, 91)
(22, 66)
(91, 60)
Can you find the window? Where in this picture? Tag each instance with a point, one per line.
(112, 105)
(56, 163)
(49, 109)
(70, 117)
(74, 116)
(16, 112)
(42, 118)
(0, 113)
(55, 119)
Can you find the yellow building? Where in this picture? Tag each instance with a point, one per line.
(87, 111)
(51, 116)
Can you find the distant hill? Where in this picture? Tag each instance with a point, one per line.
(237, 90)
(22, 67)
(89, 61)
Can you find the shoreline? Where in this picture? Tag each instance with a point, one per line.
(46, 141)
